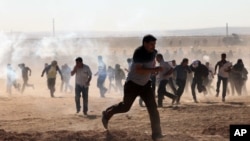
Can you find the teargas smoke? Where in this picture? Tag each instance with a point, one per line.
(35, 51)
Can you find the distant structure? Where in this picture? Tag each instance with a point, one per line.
(53, 28)
(231, 40)
(226, 29)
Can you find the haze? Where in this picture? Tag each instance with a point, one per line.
(122, 15)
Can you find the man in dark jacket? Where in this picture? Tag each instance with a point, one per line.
(200, 73)
(26, 72)
(181, 72)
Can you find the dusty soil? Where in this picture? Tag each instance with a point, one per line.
(33, 115)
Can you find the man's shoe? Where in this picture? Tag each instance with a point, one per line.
(157, 137)
(104, 120)
(174, 100)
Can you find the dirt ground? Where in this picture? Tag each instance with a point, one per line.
(33, 115)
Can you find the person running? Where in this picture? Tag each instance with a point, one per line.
(200, 74)
(138, 84)
(82, 81)
(102, 74)
(223, 74)
(11, 79)
(181, 72)
(51, 71)
(66, 73)
(26, 72)
(119, 76)
(239, 76)
(172, 77)
(164, 80)
(129, 61)
(111, 76)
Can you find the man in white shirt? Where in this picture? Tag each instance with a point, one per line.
(82, 80)
(223, 74)
(164, 79)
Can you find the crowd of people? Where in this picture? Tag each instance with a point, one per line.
(148, 76)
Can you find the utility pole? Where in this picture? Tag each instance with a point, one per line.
(226, 30)
(53, 27)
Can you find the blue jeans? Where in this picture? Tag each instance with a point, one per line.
(84, 90)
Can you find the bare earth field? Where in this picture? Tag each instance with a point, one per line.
(34, 115)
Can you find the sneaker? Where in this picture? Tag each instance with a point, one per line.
(104, 120)
(157, 137)
(174, 100)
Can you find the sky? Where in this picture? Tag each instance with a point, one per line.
(121, 15)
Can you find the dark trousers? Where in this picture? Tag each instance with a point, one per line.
(172, 85)
(163, 92)
(197, 81)
(224, 85)
(153, 85)
(181, 86)
(131, 91)
(84, 90)
(51, 82)
(100, 84)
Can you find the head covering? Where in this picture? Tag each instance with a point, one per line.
(195, 63)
